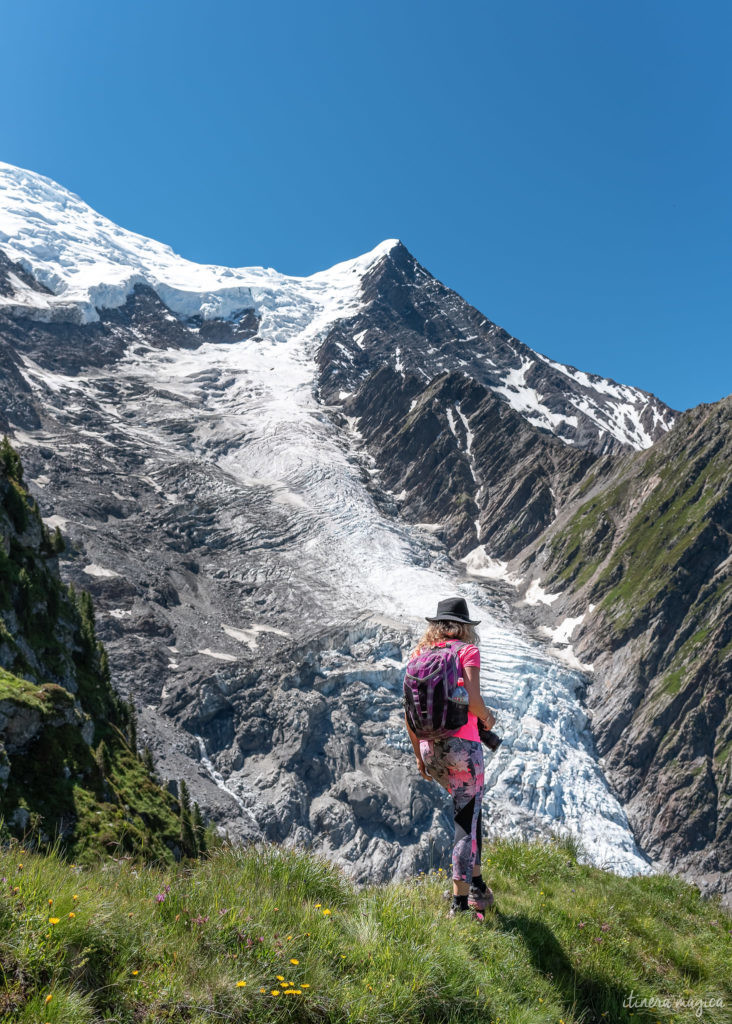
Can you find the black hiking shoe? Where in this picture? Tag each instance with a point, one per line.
(480, 898)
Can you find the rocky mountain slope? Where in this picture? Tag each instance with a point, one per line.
(409, 321)
(643, 559)
(68, 758)
(246, 467)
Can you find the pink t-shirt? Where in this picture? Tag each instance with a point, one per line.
(468, 655)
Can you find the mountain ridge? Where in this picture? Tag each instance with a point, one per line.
(84, 264)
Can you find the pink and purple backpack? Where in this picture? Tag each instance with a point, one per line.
(435, 701)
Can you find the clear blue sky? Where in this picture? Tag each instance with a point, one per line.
(564, 165)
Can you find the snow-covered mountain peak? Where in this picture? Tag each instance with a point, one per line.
(69, 263)
(88, 262)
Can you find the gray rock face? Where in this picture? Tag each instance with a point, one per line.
(18, 725)
(454, 453)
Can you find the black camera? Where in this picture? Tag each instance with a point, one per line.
(491, 739)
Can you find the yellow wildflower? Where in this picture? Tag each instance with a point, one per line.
(275, 991)
(49, 997)
(72, 914)
(54, 920)
(305, 986)
(263, 990)
(240, 984)
(318, 905)
(296, 962)
(280, 977)
(74, 897)
(50, 903)
(326, 912)
(135, 972)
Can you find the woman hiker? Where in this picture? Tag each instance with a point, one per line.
(456, 762)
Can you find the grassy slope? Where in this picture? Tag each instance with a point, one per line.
(569, 943)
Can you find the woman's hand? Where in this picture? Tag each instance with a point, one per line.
(490, 720)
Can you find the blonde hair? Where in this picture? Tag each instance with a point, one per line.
(445, 630)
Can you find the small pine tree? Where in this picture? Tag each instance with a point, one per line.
(199, 829)
(58, 544)
(86, 609)
(11, 460)
(132, 727)
(45, 540)
(28, 597)
(103, 664)
(88, 632)
(25, 597)
(184, 797)
(147, 760)
(187, 835)
(103, 760)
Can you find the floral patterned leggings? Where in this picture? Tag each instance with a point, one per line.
(457, 765)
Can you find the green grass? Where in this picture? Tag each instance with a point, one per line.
(567, 942)
(20, 691)
(47, 698)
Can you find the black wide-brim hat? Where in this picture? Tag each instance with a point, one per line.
(453, 609)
